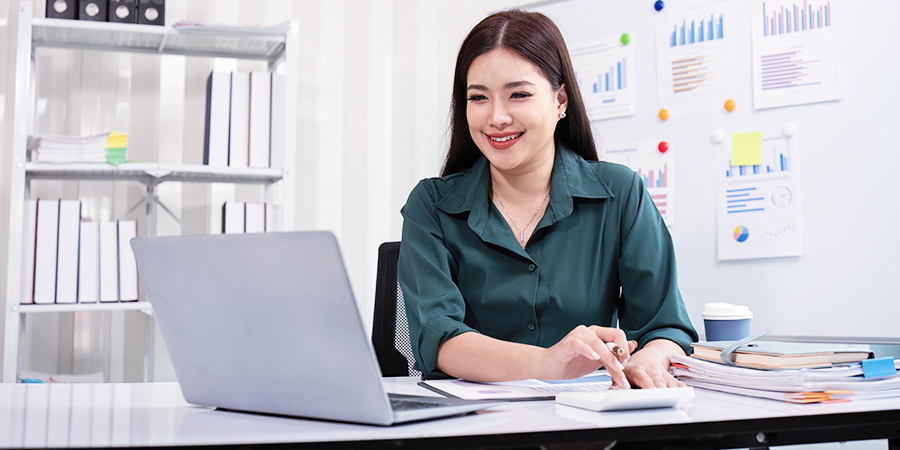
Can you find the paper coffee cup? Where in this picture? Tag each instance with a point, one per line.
(726, 322)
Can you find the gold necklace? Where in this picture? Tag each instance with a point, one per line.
(522, 230)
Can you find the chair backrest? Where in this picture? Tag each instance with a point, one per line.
(390, 330)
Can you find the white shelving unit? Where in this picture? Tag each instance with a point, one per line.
(32, 33)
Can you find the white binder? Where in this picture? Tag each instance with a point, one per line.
(233, 218)
(67, 252)
(45, 254)
(128, 276)
(255, 221)
(239, 136)
(260, 110)
(218, 100)
(109, 262)
(28, 240)
(89, 263)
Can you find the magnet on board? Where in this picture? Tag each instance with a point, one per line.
(729, 105)
(788, 130)
(663, 147)
(664, 114)
(625, 39)
(659, 5)
(718, 136)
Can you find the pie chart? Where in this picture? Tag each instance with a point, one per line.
(741, 233)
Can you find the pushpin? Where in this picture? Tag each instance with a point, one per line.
(625, 39)
(729, 105)
(659, 5)
(664, 114)
(718, 136)
(663, 147)
(788, 130)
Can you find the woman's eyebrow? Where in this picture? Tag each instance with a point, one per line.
(510, 85)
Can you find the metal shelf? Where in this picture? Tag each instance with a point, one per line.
(123, 37)
(152, 174)
(144, 307)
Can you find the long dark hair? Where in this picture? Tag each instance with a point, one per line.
(536, 38)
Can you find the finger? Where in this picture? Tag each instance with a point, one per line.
(612, 364)
(641, 379)
(659, 379)
(583, 349)
(632, 346)
(613, 335)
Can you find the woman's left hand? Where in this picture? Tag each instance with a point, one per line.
(649, 367)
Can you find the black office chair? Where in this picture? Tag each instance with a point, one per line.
(390, 331)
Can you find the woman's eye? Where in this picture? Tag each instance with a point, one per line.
(520, 95)
(477, 98)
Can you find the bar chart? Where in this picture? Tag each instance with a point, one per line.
(655, 169)
(708, 29)
(696, 64)
(796, 17)
(776, 157)
(605, 72)
(796, 52)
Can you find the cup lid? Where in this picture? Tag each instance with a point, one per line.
(726, 311)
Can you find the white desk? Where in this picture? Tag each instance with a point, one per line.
(155, 414)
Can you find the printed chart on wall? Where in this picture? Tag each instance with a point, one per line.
(657, 169)
(604, 69)
(796, 52)
(758, 206)
(695, 57)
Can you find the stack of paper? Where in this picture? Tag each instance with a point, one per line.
(68, 149)
(518, 390)
(100, 148)
(791, 385)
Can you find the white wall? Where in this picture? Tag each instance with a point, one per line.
(372, 110)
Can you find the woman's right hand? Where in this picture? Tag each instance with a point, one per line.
(583, 351)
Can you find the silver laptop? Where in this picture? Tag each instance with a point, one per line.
(267, 323)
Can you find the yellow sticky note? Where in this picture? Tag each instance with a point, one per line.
(746, 149)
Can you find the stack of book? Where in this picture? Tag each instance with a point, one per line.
(66, 260)
(99, 148)
(240, 217)
(787, 371)
(241, 129)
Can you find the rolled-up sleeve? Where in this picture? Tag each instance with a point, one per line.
(427, 271)
(651, 305)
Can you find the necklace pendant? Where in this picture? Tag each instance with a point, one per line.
(522, 236)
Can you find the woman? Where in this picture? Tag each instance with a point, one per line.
(511, 264)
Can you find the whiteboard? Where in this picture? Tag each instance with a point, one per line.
(847, 283)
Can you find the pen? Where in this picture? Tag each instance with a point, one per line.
(618, 351)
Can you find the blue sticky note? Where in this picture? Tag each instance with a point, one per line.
(878, 367)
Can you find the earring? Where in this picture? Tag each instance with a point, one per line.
(562, 115)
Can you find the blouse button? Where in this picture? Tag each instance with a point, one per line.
(530, 326)
(531, 267)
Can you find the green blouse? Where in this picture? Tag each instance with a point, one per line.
(461, 269)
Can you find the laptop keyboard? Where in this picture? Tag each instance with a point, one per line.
(406, 405)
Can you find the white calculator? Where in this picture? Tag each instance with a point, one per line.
(622, 399)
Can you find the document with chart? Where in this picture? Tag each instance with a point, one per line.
(605, 72)
(758, 207)
(796, 52)
(695, 57)
(656, 168)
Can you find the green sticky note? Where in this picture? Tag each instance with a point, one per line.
(746, 149)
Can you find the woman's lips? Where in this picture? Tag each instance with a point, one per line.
(504, 140)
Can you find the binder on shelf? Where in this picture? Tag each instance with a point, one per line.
(122, 11)
(109, 262)
(152, 12)
(276, 115)
(233, 218)
(128, 275)
(239, 134)
(28, 240)
(260, 114)
(93, 10)
(273, 218)
(255, 218)
(45, 251)
(89, 263)
(67, 251)
(218, 100)
(62, 9)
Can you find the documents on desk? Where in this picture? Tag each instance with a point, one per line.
(518, 390)
(781, 355)
(805, 385)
